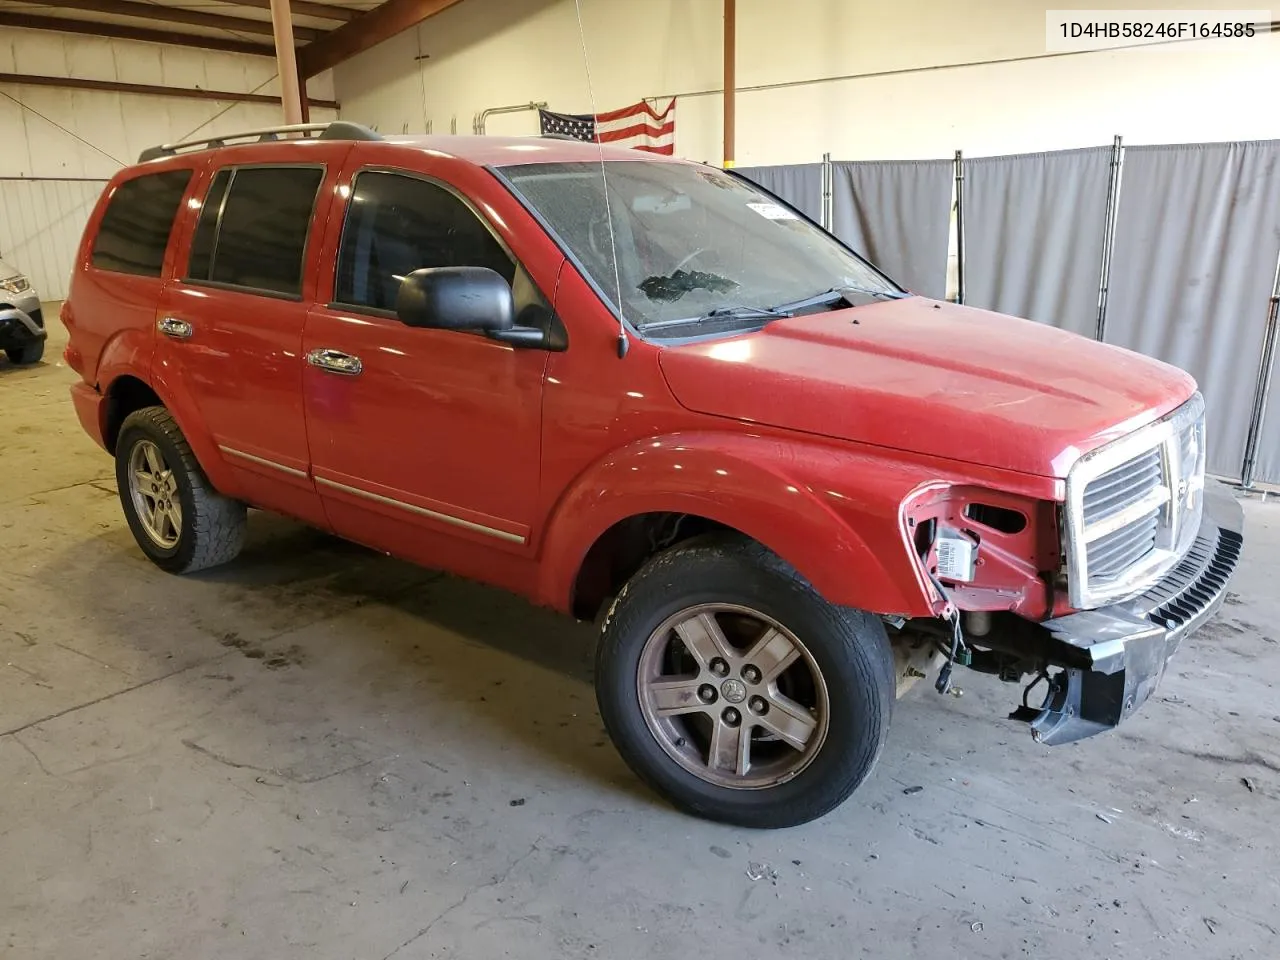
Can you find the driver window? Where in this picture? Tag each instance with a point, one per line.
(397, 224)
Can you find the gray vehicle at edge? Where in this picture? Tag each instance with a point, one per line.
(22, 332)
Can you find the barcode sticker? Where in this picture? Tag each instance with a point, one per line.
(955, 558)
(773, 211)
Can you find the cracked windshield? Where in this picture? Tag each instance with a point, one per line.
(694, 244)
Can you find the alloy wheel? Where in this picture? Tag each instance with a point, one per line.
(154, 491)
(733, 696)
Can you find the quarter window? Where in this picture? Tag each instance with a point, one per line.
(254, 226)
(397, 224)
(135, 228)
(207, 228)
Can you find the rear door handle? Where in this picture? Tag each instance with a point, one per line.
(173, 327)
(335, 361)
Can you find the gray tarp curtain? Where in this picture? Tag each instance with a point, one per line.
(898, 215)
(799, 184)
(1197, 235)
(1034, 227)
(1267, 461)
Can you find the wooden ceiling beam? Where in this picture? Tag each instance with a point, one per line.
(304, 8)
(193, 18)
(367, 30)
(123, 32)
(148, 89)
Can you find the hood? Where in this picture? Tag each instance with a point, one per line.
(7, 272)
(931, 378)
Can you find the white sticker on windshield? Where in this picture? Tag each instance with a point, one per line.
(772, 211)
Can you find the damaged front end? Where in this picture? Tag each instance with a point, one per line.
(1113, 658)
(1090, 597)
(1088, 669)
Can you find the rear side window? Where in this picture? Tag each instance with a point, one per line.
(207, 228)
(397, 224)
(139, 217)
(254, 226)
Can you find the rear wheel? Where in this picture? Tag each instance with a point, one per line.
(30, 353)
(736, 691)
(181, 523)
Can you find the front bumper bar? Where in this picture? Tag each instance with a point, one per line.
(17, 327)
(1128, 645)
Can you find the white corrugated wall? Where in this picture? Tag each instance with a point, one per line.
(61, 145)
(40, 225)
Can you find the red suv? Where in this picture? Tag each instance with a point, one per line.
(646, 391)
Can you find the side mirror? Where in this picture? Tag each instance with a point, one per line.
(456, 298)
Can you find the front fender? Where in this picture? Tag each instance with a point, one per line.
(832, 512)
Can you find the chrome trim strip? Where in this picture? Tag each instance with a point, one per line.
(423, 511)
(292, 471)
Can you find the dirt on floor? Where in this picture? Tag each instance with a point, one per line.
(320, 752)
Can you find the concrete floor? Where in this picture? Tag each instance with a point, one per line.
(318, 752)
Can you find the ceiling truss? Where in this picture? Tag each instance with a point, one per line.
(325, 32)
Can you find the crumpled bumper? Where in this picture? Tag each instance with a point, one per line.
(1128, 645)
(18, 327)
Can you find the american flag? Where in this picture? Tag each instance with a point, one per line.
(638, 126)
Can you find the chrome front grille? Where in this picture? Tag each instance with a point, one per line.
(1110, 556)
(1134, 506)
(1122, 487)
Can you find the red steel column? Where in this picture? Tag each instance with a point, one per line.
(286, 61)
(730, 82)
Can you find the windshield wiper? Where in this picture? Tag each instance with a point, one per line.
(836, 294)
(722, 313)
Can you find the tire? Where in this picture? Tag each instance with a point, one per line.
(31, 353)
(725, 575)
(210, 528)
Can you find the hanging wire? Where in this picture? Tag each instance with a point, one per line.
(225, 110)
(422, 78)
(608, 211)
(70, 133)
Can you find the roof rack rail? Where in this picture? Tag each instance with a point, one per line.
(335, 130)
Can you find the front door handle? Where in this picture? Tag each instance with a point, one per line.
(173, 327)
(335, 361)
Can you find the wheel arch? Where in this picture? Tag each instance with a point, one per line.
(125, 394)
(129, 391)
(653, 493)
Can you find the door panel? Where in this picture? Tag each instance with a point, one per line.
(439, 431)
(243, 363)
(423, 443)
(232, 325)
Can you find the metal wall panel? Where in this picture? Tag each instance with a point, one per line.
(55, 137)
(40, 226)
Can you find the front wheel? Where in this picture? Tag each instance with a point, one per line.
(24, 355)
(731, 687)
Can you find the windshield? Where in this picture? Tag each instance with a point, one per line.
(690, 240)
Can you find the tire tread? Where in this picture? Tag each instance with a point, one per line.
(219, 523)
(27, 354)
(862, 645)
